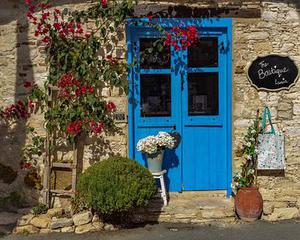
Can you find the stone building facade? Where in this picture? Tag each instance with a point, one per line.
(259, 28)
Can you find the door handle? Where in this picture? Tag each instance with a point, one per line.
(174, 127)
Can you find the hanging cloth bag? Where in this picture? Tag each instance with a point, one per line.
(270, 146)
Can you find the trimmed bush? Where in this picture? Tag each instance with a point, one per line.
(116, 185)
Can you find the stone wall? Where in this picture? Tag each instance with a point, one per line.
(277, 31)
(22, 58)
(274, 28)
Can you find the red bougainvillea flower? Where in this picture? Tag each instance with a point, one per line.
(96, 127)
(57, 26)
(27, 84)
(78, 93)
(18, 110)
(46, 39)
(30, 104)
(104, 3)
(28, 2)
(87, 35)
(84, 89)
(91, 90)
(112, 60)
(150, 17)
(74, 128)
(26, 165)
(76, 83)
(20, 103)
(110, 106)
(57, 11)
(181, 38)
(66, 80)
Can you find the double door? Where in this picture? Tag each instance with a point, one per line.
(187, 92)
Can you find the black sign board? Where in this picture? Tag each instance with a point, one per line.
(273, 73)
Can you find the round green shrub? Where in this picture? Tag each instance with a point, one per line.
(116, 185)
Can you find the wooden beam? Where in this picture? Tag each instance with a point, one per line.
(183, 11)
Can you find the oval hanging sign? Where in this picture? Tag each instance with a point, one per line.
(273, 73)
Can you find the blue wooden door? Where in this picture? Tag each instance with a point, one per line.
(188, 92)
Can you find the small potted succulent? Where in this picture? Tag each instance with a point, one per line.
(154, 147)
(248, 200)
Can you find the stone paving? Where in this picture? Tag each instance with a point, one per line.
(190, 207)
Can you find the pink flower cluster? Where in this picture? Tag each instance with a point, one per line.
(52, 20)
(20, 110)
(96, 127)
(69, 86)
(181, 38)
(75, 128)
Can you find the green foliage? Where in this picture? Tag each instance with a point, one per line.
(39, 209)
(78, 204)
(246, 176)
(33, 150)
(250, 140)
(116, 185)
(79, 57)
(14, 199)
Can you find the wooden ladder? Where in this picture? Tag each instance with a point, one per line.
(50, 166)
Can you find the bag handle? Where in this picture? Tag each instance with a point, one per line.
(267, 114)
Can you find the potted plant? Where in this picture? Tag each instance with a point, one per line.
(154, 147)
(248, 200)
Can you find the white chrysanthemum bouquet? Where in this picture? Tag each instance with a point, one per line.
(153, 144)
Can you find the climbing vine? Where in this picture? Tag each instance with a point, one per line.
(71, 99)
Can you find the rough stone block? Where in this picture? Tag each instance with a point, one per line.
(269, 15)
(61, 222)
(68, 229)
(216, 213)
(298, 203)
(82, 218)
(109, 227)
(256, 36)
(55, 212)
(85, 228)
(296, 109)
(25, 220)
(26, 229)
(263, 47)
(287, 47)
(284, 213)
(98, 225)
(287, 114)
(268, 208)
(47, 231)
(292, 15)
(41, 221)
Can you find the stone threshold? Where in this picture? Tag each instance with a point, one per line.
(189, 207)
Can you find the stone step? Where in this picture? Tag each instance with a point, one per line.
(196, 194)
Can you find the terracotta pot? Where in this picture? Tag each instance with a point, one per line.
(248, 204)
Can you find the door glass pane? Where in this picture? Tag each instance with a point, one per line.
(153, 55)
(204, 53)
(203, 97)
(155, 95)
